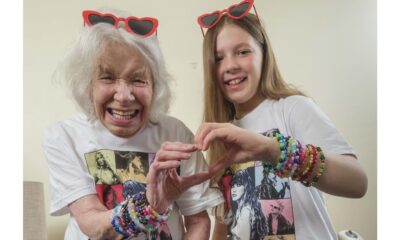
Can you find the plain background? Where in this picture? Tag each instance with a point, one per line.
(326, 48)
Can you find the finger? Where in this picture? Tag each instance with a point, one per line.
(171, 155)
(222, 163)
(178, 146)
(192, 180)
(198, 137)
(174, 175)
(216, 134)
(160, 166)
(203, 130)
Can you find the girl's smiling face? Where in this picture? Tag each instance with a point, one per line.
(238, 67)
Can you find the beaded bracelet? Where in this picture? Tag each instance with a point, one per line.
(270, 167)
(134, 216)
(115, 222)
(320, 171)
(296, 161)
(313, 160)
(292, 154)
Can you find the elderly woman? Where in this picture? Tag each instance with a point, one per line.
(117, 76)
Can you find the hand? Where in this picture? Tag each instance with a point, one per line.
(240, 145)
(164, 185)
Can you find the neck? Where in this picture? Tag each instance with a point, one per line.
(244, 108)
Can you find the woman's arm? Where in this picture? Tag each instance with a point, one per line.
(220, 230)
(197, 226)
(93, 218)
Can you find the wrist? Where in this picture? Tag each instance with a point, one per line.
(272, 151)
(160, 207)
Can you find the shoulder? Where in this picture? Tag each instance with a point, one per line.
(171, 129)
(167, 120)
(246, 211)
(71, 126)
(289, 103)
(296, 106)
(172, 124)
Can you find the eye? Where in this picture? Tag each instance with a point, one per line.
(107, 78)
(218, 59)
(243, 52)
(139, 82)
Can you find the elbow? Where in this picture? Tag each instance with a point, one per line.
(362, 187)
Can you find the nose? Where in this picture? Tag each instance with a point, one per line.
(230, 64)
(123, 92)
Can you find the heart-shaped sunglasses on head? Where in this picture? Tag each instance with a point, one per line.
(236, 11)
(144, 27)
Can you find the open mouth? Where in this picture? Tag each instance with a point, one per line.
(235, 81)
(123, 115)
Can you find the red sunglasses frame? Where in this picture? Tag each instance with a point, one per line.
(227, 12)
(126, 20)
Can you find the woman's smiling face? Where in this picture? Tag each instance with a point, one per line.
(122, 90)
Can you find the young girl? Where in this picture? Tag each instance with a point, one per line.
(255, 120)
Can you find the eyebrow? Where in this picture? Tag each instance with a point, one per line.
(103, 69)
(236, 47)
(143, 71)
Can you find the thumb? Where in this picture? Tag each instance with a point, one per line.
(192, 180)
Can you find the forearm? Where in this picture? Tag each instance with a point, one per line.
(197, 226)
(344, 176)
(220, 230)
(93, 219)
(97, 226)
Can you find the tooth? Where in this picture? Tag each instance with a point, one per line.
(121, 113)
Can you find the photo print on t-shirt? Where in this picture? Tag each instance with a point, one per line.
(264, 199)
(119, 175)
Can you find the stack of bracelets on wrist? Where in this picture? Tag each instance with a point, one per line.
(134, 216)
(296, 161)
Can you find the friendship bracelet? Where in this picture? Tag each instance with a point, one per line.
(115, 222)
(135, 215)
(292, 152)
(320, 171)
(313, 159)
(270, 167)
(296, 161)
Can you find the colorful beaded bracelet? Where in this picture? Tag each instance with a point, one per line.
(320, 171)
(296, 161)
(134, 216)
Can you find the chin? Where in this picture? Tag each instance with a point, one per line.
(124, 133)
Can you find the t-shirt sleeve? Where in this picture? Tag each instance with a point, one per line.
(68, 175)
(200, 197)
(309, 125)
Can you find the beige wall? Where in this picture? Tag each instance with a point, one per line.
(327, 48)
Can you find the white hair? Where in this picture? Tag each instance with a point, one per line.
(79, 65)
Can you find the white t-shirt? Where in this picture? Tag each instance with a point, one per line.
(289, 208)
(85, 158)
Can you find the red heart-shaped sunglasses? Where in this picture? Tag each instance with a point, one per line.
(236, 11)
(144, 27)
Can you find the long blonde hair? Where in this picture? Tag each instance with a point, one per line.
(272, 86)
